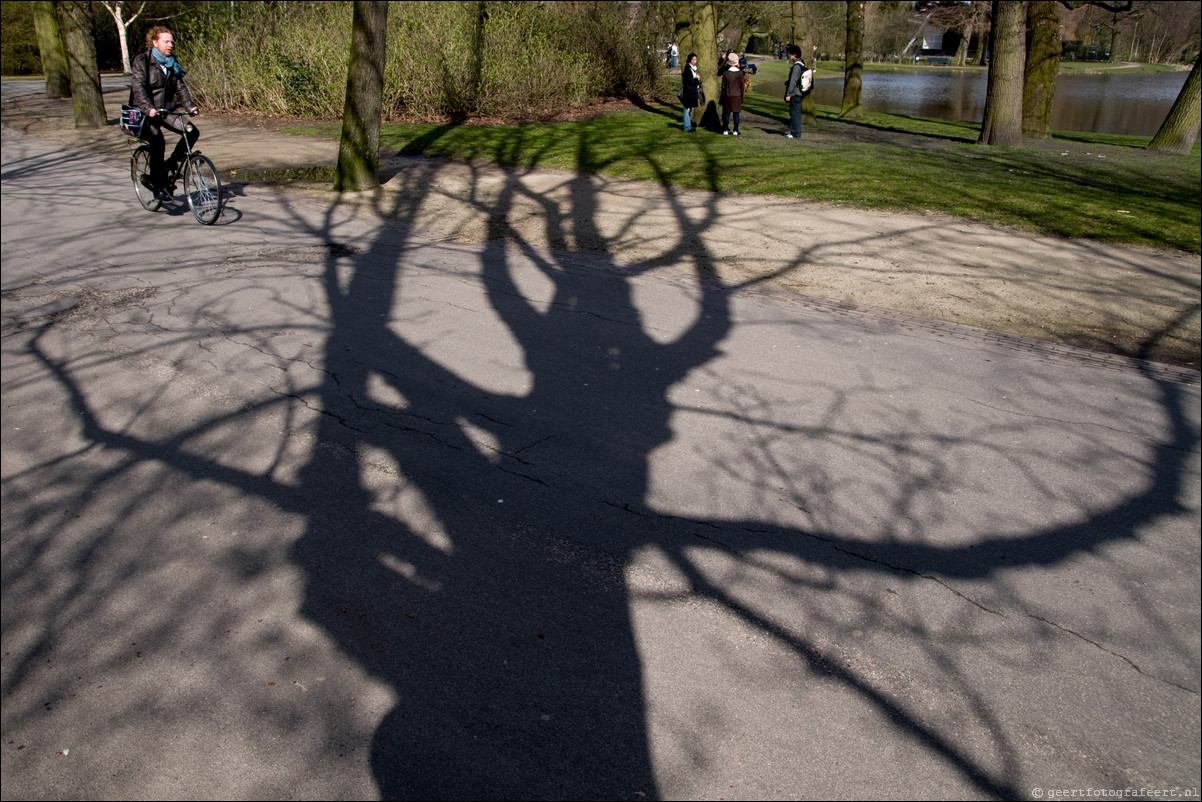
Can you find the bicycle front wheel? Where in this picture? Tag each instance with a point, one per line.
(139, 171)
(203, 189)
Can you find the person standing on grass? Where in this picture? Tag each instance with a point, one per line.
(732, 94)
(793, 91)
(690, 90)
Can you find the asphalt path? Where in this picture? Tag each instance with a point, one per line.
(308, 505)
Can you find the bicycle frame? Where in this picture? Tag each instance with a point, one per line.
(202, 186)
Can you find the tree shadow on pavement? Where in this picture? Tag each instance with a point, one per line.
(484, 529)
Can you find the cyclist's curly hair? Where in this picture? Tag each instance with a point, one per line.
(153, 34)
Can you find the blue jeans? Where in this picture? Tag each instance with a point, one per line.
(688, 119)
(726, 120)
(795, 115)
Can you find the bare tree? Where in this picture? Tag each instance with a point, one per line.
(1003, 123)
(1042, 66)
(86, 95)
(853, 66)
(963, 18)
(976, 23)
(1118, 13)
(51, 49)
(1180, 129)
(123, 24)
(359, 147)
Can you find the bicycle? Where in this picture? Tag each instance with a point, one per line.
(202, 187)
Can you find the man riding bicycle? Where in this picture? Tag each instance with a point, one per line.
(158, 83)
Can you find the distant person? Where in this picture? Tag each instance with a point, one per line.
(733, 90)
(157, 82)
(690, 90)
(793, 91)
(673, 55)
(722, 64)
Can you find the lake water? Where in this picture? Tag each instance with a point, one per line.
(1108, 103)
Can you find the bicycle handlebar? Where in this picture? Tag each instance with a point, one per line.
(192, 112)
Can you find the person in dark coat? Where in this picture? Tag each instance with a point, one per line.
(157, 82)
(733, 89)
(690, 89)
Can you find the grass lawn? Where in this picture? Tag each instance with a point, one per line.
(1074, 185)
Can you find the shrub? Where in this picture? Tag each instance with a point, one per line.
(446, 60)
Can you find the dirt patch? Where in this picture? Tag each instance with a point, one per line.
(1139, 302)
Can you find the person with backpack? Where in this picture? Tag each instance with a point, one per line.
(794, 90)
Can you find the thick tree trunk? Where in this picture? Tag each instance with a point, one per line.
(86, 96)
(705, 45)
(359, 147)
(682, 13)
(1042, 66)
(853, 65)
(1003, 123)
(50, 46)
(1180, 128)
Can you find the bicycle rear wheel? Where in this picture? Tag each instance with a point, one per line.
(139, 168)
(203, 189)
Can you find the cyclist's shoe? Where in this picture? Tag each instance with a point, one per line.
(159, 193)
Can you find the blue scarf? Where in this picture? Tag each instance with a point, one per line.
(168, 62)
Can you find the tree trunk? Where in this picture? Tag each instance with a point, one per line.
(50, 46)
(86, 96)
(705, 45)
(809, 106)
(1042, 66)
(981, 23)
(1180, 128)
(477, 57)
(853, 66)
(359, 147)
(962, 49)
(1003, 123)
(682, 13)
(809, 54)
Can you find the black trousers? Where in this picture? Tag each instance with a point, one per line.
(153, 134)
